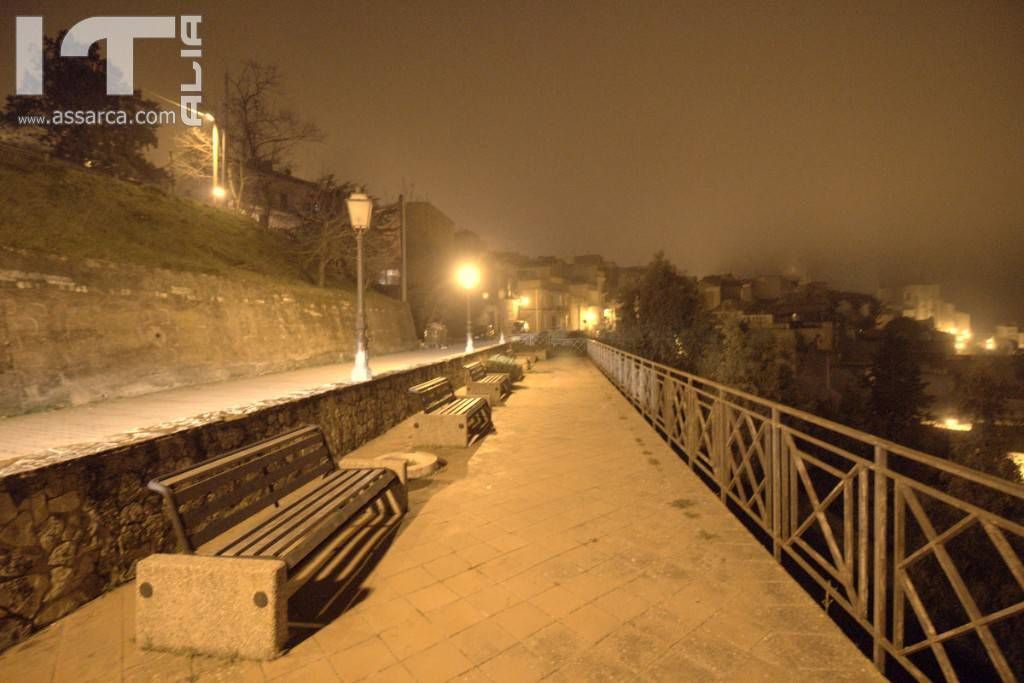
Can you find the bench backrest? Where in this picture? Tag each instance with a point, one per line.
(506, 364)
(434, 393)
(206, 499)
(476, 371)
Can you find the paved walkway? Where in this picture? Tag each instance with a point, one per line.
(29, 434)
(570, 546)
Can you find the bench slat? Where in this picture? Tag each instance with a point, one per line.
(236, 469)
(462, 406)
(313, 461)
(281, 534)
(293, 534)
(433, 393)
(344, 554)
(219, 526)
(323, 525)
(336, 482)
(476, 371)
(186, 474)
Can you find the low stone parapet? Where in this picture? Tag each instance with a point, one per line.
(75, 521)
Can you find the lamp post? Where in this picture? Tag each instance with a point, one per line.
(218, 158)
(468, 276)
(360, 208)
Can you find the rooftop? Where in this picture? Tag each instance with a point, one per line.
(571, 545)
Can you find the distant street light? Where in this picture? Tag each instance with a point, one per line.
(218, 151)
(218, 143)
(360, 208)
(468, 277)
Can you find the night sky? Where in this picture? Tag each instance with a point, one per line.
(859, 143)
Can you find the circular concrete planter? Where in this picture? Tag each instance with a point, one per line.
(421, 463)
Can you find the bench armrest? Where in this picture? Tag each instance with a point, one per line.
(400, 466)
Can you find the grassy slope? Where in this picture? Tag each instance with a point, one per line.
(54, 208)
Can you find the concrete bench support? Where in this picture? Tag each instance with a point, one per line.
(231, 607)
(440, 430)
(492, 391)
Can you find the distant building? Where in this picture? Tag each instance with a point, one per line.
(280, 196)
(547, 293)
(1008, 338)
(276, 196)
(924, 302)
(773, 287)
(431, 256)
(718, 289)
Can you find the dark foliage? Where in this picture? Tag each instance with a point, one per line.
(79, 84)
(896, 402)
(662, 317)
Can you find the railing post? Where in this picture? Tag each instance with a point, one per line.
(721, 464)
(863, 541)
(775, 485)
(881, 537)
(690, 421)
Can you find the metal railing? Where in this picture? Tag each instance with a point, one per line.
(577, 345)
(935, 580)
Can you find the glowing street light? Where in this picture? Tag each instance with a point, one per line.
(218, 157)
(360, 208)
(468, 277)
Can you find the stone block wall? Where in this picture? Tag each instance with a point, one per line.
(73, 524)
(72, 332)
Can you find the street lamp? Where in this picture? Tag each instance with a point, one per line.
(360, 208)
(218, 152)
(468, 277)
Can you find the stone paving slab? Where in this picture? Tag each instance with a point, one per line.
(572, 545)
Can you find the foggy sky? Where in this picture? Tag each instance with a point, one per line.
(854, 142)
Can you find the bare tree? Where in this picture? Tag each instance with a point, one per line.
(380, 245)
(324, 222)
(327, 241)
(195, 154)
(263, 133)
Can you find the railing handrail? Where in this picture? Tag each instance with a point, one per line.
(977, 476)
(875, 523)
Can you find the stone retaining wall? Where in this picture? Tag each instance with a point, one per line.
(72, 332)
(73, 523)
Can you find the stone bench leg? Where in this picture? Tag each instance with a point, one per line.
(225, 606)
(490, 390)
(440, 430)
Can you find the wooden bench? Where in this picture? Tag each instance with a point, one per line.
(253, 526)
(513, 367)
(448, 420)
(496, 386)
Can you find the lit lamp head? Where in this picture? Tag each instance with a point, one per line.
(360, 208)
(524, 301)
(218, 192)
(468, 276)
